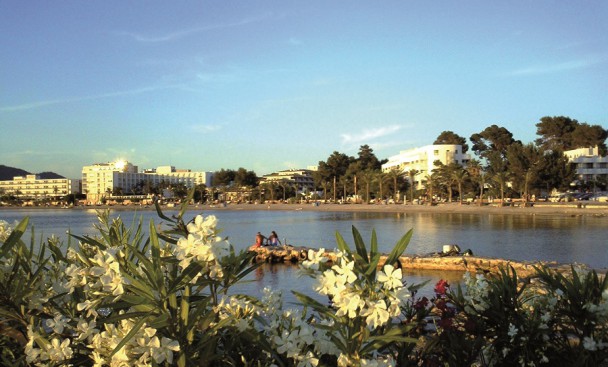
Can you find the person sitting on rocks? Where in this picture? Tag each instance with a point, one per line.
(259, 240)
(273, 239)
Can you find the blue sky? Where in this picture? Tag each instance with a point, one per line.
(271, 85)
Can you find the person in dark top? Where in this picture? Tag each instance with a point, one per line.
(273, 239)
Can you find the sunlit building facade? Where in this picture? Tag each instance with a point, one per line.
(423, 160)
(100, 180)
(589, 165)
(34, 187)
(301, 179)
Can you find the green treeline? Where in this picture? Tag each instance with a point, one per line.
(501, 166)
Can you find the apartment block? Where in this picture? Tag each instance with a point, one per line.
(422, 160)
(590, 166)
(33, 187)
(301, 179)
(101, 179)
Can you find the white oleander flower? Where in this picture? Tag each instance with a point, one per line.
(589, 344)
(5, 230)
(60, 350)
(329, 283)
(86, 329)
(203, 226)
(162, 350)
(308, 360)
(112, 282)
(376, 314)
(58, 323)
(315, 258)
(349, 304)
(345, 270)
(390, 277)
(512, 331)
(287, 343)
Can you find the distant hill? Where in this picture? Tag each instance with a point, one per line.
(7, 173)
(49, 175)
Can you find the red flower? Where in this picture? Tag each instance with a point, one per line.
(441, 287)
(445, 323)
(421, 303)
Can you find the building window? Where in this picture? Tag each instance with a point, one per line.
(436, 152)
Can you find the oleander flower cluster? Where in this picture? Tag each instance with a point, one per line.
(364, 304)
(202, 244)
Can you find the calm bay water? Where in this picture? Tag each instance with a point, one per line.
(564, 239)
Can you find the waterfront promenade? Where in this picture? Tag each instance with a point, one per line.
(539, 208)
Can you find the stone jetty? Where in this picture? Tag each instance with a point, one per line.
(449, 261)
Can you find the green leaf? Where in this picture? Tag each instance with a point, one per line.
(359, 244)
(399, 248)
(373, 265)
(342, 246)
(90, 241)
(154, 242)
(15, 236)
(130, 335)
(159, 211)
(185, 277)
(308, 301)
(374, 244)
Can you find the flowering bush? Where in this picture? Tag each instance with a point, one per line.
(124, 299)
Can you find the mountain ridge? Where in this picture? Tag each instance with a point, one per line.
(8, 173)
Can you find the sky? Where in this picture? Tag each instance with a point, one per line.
(273, 85)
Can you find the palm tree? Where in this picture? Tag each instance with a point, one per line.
(344, 183)
(412, 175)
(444, 177)
(380, 177)
(367, 176)
(458, 175)
(394, 175)
(501, 178)
(476, 172)
(431, 181)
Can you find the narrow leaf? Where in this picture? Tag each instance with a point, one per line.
(399, 247)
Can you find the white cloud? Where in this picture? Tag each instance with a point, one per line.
(368, 134)
(38, 104)
(556, 68)
(172, 36)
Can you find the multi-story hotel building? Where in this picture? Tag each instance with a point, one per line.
(590, 166)
(422, 159)
(301, 179)
(101, 179)
(33, 187)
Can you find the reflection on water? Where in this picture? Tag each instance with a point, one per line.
(285, 277)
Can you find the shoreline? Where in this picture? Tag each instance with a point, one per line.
(539, 208)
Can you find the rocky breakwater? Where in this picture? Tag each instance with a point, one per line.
(450, 260)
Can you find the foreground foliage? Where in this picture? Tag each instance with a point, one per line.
(122, 298)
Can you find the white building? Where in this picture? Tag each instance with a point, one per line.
(33, 187)
(590, 166)
(101, 179)
(301, 179)
(422, 159)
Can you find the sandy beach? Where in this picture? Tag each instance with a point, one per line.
(539, 208)
(568, 209)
